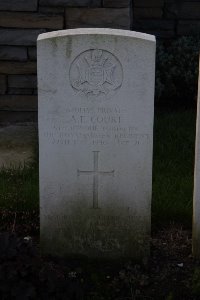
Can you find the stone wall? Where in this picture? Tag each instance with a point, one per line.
(21, 21)
(167, 18)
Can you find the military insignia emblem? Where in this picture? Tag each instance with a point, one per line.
(96, 72)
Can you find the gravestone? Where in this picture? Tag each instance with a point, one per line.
(96, 99)
(196, 198)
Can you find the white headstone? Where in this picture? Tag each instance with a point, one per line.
(96, 100)
(196, 200)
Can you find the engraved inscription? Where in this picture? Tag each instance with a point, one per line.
(95, 172)
(93, 126)
(117, 222)
(96, 72)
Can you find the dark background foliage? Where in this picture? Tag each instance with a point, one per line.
(177, 64)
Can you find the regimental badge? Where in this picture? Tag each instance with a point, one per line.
(96, 72)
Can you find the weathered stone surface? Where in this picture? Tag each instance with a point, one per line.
(3, 84)
(22, 81)
(74, 3)
(12, 67)
(19, 91)
(98, 17)
(188, 27)
(148, 3)
(20, 37)
(116, 3)
(96, 90)
(196, 194)
(51, 10)
(32, 53)
(13, 53)
(18, 5)
(148, 13)
(27, 20)
(18, 102)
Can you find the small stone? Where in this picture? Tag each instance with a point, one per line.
(180, 265)
(27, 238)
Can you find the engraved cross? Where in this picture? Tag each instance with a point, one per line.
(96, 173)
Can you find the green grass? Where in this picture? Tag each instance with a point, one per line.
(173, 167)
(19, 188)
(174, 137)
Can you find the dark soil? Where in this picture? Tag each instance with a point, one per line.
(171, 272)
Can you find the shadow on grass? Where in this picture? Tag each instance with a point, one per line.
(173, 167)
(19, 199)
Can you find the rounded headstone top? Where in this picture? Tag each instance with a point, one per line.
(96, 31)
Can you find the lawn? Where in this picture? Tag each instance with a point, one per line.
(173, 164)
(173, 167)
